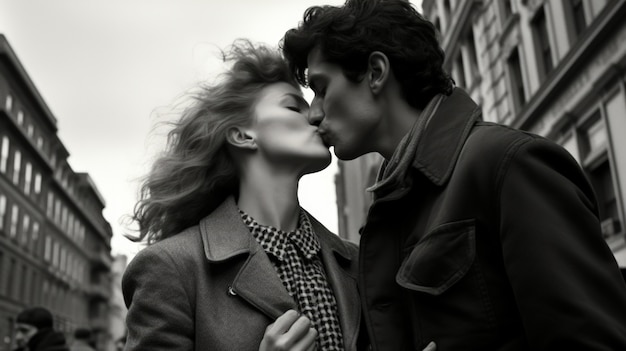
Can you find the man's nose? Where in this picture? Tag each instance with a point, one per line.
(316, 114)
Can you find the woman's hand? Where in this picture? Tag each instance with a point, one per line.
(290, 332)
(430, 347)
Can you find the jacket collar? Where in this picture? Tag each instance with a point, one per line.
(225, 235)
(441, 142)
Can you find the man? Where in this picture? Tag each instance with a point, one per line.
(480, 237)
(82, 340)
(34, 331)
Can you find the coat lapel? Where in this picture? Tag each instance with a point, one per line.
(227, 240)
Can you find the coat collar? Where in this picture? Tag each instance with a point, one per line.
(441, 142)
(226, 238)
(224, 235)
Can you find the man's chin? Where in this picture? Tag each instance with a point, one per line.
(343, 155)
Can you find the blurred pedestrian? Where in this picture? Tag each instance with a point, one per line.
(83, 340)
(35, 331)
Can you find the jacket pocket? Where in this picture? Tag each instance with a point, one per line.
(440, 259)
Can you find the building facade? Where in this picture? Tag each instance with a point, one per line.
(555, 68)
(54, 241)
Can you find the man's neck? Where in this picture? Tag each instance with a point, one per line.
(400, 120)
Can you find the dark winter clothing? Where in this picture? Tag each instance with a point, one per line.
(489, 239)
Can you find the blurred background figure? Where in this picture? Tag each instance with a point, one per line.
(34, 331)
(83, 340)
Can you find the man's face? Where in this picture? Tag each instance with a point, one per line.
(23, 333)
(345, 112)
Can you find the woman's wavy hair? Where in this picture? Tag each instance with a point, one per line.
(347, 35)
(196, 172)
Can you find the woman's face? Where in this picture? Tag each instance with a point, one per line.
(283, 135)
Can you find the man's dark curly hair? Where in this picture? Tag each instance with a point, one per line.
(348, 34)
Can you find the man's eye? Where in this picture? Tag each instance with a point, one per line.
(294, 108)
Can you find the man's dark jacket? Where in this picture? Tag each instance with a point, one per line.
(492, 242)
(47, 340)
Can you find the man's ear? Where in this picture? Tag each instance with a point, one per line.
(378, 71)
(241, 138)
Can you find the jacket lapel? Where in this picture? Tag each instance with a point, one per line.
(337, 262)
(227, 240)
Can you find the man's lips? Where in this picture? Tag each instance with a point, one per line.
(325, 138)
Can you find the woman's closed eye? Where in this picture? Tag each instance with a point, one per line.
(295, 108)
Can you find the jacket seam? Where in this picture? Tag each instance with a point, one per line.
(503, 169)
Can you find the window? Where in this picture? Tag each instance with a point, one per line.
(578, 16)
(3, 211)
(23, 284)
(9, 102)
(47, 255)
(448, 11)
(25, 230)
(507, 8)
(460, 72)
(55, 254)
(471, 53)
(12, 278)
(438, 25)
(2, 284)
(62, 260)
(594, 152)
(544, 53)
(15, 214)
(57, 211)
(20, 118)
(45, 292)
(50, 204)
(70, 225)
(34, 289)
(17, 163)
(40, 142)
(34, 242)
(517, 82)
(30, 130)
(37, 183)
(28, 177)
(4, 154)
(64, 218)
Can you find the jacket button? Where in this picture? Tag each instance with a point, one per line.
(231, 291)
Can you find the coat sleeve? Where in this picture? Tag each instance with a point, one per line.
(159, 309)
(566, 282)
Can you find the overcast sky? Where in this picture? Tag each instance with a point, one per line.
(110, 70)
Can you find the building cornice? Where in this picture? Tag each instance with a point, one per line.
(597, 34)
(7, 52)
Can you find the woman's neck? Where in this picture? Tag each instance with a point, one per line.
(271, 199)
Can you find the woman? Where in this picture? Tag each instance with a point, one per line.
(234, 263)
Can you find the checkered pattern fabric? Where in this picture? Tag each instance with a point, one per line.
(295, 255)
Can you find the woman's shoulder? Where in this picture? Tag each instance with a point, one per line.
(178, 247)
